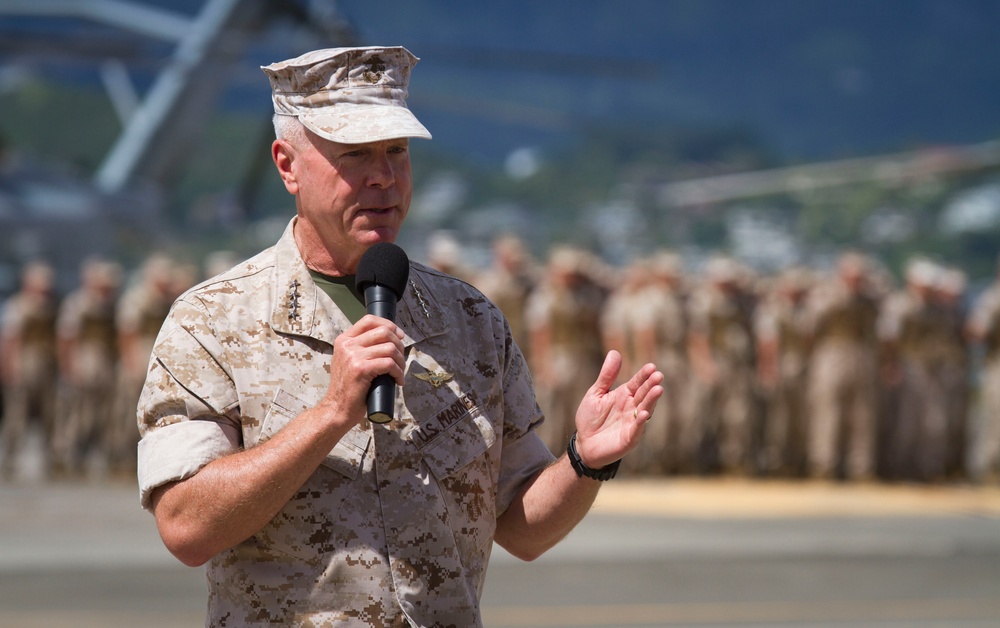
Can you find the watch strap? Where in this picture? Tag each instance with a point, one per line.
(603, 474)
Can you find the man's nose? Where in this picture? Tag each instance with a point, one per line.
(382, 174)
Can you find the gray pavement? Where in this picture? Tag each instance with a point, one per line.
(658, 553)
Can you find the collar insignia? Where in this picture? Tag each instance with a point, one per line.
(434, 378)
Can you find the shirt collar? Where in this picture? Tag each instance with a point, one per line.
(302, 308)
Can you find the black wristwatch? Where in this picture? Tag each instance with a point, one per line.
(603, 474)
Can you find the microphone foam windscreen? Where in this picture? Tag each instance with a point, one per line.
(384, 264)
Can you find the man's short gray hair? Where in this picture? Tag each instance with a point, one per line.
(289, 128)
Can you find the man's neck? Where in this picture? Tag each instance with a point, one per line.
(315, 254)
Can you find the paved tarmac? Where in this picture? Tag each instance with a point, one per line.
(669, 552)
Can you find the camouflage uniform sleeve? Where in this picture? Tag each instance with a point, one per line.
(188, 412)
(524, 453)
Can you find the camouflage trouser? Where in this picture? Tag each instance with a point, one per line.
(83, 422)
(785, 430)
(842, 398)
(917, 447)
(725, 415)
(23, 404)
(956, 389)
(121, 437)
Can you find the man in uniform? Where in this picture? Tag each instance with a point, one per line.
(842, 390)
(950, 292)
(88, 361)
(912, 329)
(256, 454)
(141, 312)
(659, 329)
(783, 343)
(28, 368)
(563, 318)
(721, 349)
(620, 326)
(508, 283)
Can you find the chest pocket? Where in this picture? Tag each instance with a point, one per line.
(467, 439)
(345, 458)
(459, 458)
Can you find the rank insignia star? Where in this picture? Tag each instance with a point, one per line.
(434, 378)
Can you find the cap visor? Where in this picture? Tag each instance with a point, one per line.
(359, 124)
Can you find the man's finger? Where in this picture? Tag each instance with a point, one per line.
(609, 372)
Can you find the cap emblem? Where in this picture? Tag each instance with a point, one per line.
(375, 71)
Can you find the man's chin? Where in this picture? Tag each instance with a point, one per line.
(380, 234)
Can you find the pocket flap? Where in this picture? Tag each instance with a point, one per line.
(345, 457)
(462, 443)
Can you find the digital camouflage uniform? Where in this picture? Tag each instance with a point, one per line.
(661, 329)
(28, 328)
(723, 318)
(782, 331)
(567, 353)
(842, 387)
(916, 329)
(509, 290)
(88, 356)
(955, 372)
(396, 527)
(620, 319)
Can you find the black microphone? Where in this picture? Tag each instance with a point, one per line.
(381, 277)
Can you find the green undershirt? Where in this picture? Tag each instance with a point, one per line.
(343, 293)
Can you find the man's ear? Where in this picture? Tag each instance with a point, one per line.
(283, 155)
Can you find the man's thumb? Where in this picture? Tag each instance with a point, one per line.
(609, 372)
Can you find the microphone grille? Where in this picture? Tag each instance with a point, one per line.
(384, 264)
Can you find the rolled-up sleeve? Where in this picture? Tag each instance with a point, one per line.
(179, 450)
(188, 410)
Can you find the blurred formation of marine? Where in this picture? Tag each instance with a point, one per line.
(799, 374)
(28, 369)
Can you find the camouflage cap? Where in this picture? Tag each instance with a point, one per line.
(348, 95)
